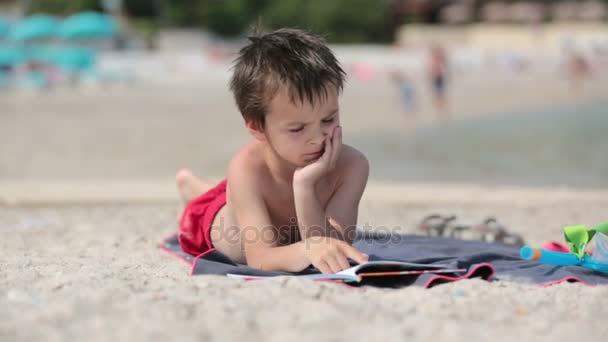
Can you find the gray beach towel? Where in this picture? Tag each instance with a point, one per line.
(489, 261)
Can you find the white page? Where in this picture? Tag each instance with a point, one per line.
(351, 273)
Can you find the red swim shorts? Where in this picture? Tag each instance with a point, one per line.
(197, 218)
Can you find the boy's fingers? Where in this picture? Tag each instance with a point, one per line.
(328, 150)
(336, 145)
(354, 254)
(333, 264)
(323, 267)
(342, 261)
(337, 137)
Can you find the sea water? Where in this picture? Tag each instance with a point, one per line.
(566, 146)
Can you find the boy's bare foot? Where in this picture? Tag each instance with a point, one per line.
(188, 185)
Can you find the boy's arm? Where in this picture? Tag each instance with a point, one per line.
(343, 207)
(339, 219)
(257, 232)
(259, 235)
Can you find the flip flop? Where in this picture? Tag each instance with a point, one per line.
(488, 231)
(436, 224)
(492, 231)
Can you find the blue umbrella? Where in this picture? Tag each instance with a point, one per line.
(75, 58)
(35, 27)
(4, 27)
(11, 55)
(88, 25)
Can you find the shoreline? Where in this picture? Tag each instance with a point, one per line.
(98, 192)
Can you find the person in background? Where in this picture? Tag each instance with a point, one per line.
(437, 75)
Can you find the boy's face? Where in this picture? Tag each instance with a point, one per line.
(297, 131)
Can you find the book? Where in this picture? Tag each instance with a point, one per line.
(376, 268)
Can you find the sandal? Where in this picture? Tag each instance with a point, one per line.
(492, 231)
(435, 224)
(488, 231)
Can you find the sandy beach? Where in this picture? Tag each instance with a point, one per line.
(86, 195)
(94, 272)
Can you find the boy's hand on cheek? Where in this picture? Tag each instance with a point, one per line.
(310, 174)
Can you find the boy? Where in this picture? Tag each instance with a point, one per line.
(292, 194)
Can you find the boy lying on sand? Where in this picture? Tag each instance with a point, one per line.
(292, 194)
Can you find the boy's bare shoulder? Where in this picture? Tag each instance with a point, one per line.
(352, 160)
(247, 167)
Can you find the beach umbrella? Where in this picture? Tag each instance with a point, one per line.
(88, 25)
(75, 58)
(10, 55)
(4, 27)
(35, 27)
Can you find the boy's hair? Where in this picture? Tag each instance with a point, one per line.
(287, 57)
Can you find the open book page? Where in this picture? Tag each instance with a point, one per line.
(371, 267)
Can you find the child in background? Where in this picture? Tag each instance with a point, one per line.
(438, 78)
(407, 91)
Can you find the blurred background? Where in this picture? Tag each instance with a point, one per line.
(439, 91)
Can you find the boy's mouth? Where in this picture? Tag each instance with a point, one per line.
(318, 153)
(314, 155)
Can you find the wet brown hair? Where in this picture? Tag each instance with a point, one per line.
(294, 58)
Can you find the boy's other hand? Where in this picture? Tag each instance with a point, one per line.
(311, 173)
(330, 255)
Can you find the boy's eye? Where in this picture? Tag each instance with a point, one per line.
(296, 130)
(330, 120)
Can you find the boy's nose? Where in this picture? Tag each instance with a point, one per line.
(319, 137)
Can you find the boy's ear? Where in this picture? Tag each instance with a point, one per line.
(255, 130)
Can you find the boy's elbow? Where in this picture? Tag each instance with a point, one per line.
(255, 260)
(257, 263)
(261, 260)
(268, 260)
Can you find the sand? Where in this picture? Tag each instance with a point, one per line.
(94, 272)
(82, 263)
